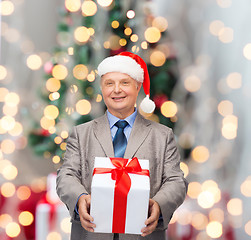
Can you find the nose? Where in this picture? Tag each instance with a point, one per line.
(117, 88)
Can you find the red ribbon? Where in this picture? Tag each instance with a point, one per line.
(122, 187)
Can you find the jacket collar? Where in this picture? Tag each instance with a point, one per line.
(140, 131)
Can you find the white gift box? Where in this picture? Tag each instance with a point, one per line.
(52, 216)
(60, 224)
(102, 198)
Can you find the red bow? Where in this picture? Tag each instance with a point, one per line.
(122, 187)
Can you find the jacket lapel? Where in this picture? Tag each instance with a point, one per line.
(103, 134)
(140, 131)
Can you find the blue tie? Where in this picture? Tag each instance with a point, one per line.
(119, 141)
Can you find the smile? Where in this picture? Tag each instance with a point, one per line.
(118, 98)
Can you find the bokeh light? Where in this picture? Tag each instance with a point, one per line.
(23, 192)
(72, 5)
(214, 229)
(54, 96)
(200, 154)
(152, 34)
(229, 127)
(128, 31)
(186, 217)
(53, 84)
(225, 108)
(59, 72)
(226, 35)
(7, 122)
(25, 218)
(99, 98)
(224, 3)
(63, 146)
(104, 3)
(91, 76)
(160, 23)
(216, 214)
(192, 83)
(56, 159)
(215, 27)
(10, 110)
(10, 172)
(6, 8)
(12, 99)
(212, 187)
(3, 93)
(184, 168)
(134, 37)
(194, 189)
(64, 134)
(5, 219)
(130, 14)
(234, 80)
(57, 140)
(47, 123)
(157, 58)
(34, 62)
(144, 45)
(248, 228)
(13, 229)
(246, 187)
(82, 34)
(53, 236)
(8, 189)
(3, 72)
(80, 71)
(8, 146)
(66, 225)
(169, 109)
(51, 112)
(234, 207)
(247, 51)
(205, 199)
(114, 42)
(83, 107)
(199, 221)
(115, 24)
(89, 8)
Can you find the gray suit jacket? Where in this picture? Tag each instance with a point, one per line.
(148, 140)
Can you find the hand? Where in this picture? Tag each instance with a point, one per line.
(86, 219)
(152, 221)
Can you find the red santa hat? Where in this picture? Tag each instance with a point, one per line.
(133, 65)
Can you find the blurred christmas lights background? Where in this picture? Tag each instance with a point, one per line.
(198, 55)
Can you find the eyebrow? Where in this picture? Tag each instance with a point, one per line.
(109, 79)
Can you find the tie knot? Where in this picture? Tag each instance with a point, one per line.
(121, 124)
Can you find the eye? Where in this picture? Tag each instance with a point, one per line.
(125, 82)
(109, 83)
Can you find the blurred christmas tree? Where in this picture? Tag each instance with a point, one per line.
(89, 31)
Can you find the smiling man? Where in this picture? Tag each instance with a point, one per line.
(121, 79)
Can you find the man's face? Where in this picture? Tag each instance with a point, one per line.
(120, 93)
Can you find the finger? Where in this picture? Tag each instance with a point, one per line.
(153, 217)
(87, 216)
(149, 229)
(87, 225)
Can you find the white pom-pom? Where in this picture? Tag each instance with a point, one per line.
(147, 105)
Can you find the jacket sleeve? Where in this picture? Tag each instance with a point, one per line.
(69, 186)
(174, 186)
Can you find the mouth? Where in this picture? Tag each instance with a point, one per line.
(117, 99)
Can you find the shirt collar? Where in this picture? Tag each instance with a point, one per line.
(130, 119)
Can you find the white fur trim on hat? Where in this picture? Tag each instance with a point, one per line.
(122, 64)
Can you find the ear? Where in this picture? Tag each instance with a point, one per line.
(139, 84)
